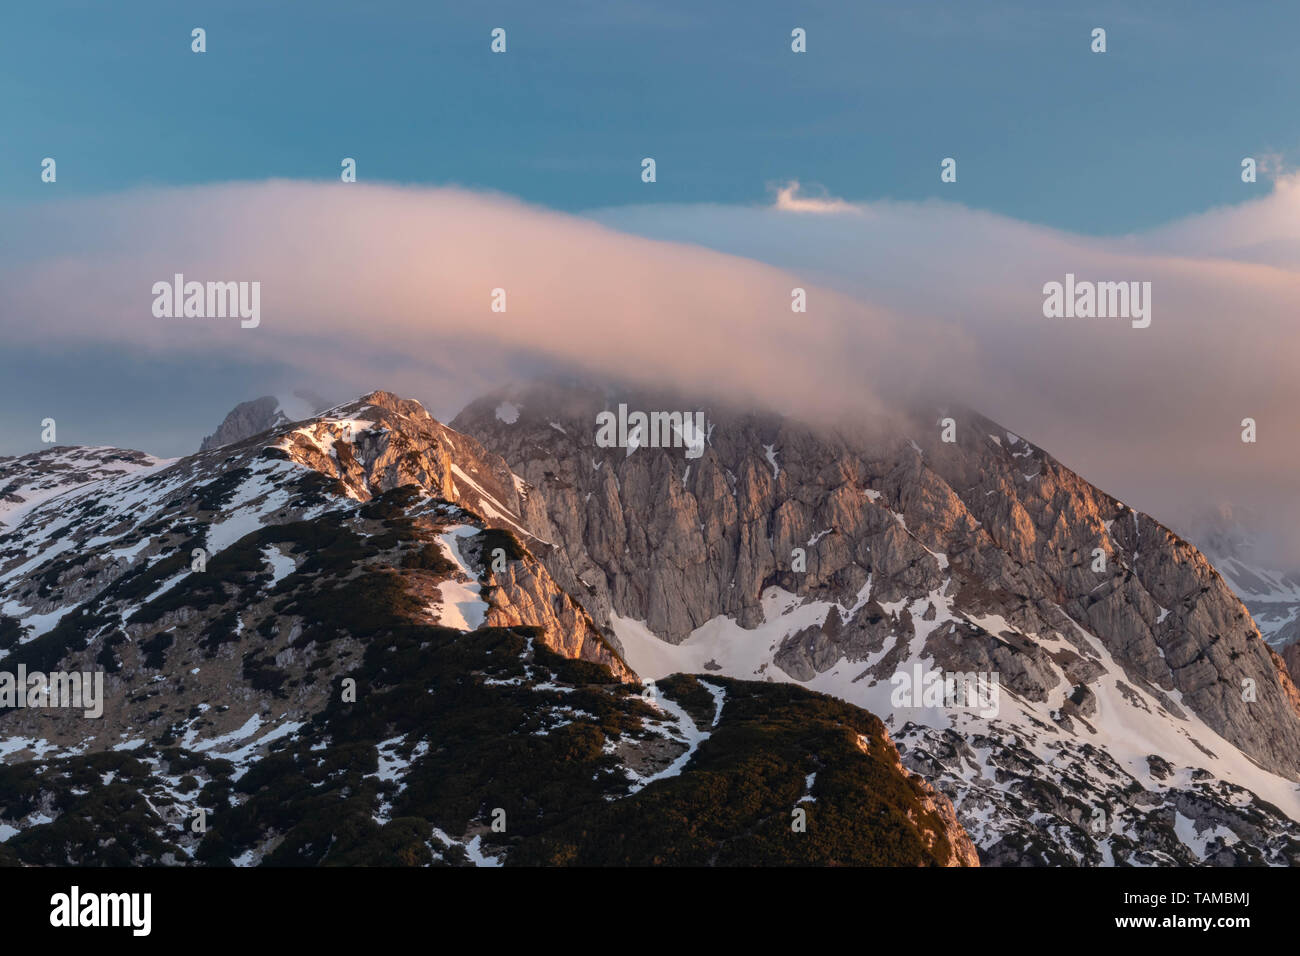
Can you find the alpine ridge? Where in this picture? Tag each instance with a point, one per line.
(337, 640)
(367, 622)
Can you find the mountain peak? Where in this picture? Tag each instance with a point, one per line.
(262, 414)
(395, 403)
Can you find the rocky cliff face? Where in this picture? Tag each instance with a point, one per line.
(839, 559)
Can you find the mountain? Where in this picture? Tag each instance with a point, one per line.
(1141, 718)
(1231, 540)
(631, 653)
(262, 414)
(337, 641)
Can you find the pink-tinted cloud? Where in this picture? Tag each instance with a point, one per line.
(366, 286)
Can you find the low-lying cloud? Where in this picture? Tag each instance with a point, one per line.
(380, 286)
(1153, 414)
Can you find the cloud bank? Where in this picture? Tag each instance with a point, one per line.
(365, 286)
(379, 284)
(1152, 415)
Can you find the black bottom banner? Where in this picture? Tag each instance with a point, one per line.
(335, 905)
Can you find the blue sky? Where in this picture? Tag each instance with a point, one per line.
(1043, 129)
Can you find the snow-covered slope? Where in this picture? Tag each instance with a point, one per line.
(27, 481)
(1147, 784)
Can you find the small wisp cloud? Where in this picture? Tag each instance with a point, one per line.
(791, 198)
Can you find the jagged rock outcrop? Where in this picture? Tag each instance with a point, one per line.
(964, 852)
(262, 414)
(523, 593)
